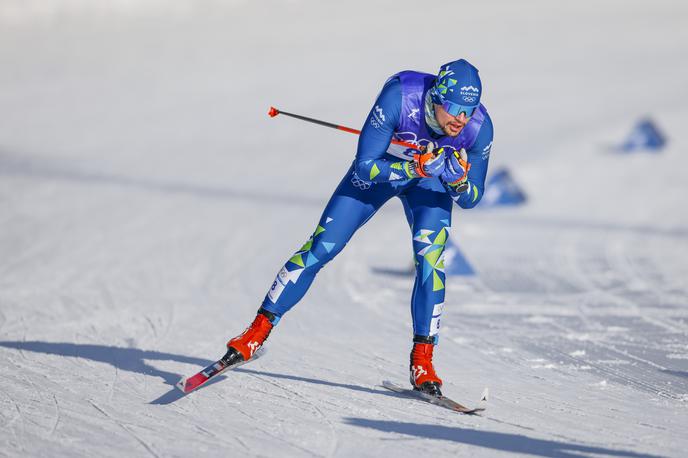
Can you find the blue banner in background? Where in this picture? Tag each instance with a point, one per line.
(502, 189)
(645, 136)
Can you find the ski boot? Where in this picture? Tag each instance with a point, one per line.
(423, 376)
(242, 347)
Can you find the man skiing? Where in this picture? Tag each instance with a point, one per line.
(442, 115)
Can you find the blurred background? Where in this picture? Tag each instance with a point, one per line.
(147, 201)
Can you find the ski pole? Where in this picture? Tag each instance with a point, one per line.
(274, 112)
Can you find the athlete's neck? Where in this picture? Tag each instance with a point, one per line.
(430, 120)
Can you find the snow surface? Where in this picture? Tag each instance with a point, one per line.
(147, 201)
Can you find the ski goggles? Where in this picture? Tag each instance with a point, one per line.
(455, 109)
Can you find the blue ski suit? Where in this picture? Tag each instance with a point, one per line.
(403, 110)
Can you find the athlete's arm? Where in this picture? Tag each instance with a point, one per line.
(478, 156)
(376, 135)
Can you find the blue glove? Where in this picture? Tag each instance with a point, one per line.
(428, 164)
(455, 173)
(435, 163)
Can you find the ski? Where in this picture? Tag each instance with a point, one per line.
(189, 384)
(441, 401)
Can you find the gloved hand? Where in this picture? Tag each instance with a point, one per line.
(455, 173)
(428, 164)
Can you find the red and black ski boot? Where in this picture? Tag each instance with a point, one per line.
(423, 376)
(242, 347)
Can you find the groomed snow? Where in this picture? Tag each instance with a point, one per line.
(147, 202)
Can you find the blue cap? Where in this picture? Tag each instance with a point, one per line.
(457, 88)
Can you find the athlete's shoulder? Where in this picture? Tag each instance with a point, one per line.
(389, 99)
(392, 86)
(412, 79)
(385, 113)
(483, 140)
(413, 73)
(487, 125)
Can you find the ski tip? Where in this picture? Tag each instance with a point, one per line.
(181, 384)
(485, 395)
(273, 112)
(188, 384)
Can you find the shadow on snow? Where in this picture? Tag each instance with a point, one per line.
(314, 381)
(126, 359)
(503, 442)
(682, 374)
(135, 360)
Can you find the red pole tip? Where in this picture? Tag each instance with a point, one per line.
(273, 112)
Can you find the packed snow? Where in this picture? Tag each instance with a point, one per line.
(147, 202)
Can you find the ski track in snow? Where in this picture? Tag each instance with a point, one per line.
(295, 395)
(137, 238)
(127, 430)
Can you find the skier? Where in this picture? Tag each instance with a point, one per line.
(443, 115)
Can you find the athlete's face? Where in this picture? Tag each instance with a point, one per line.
(451, 125)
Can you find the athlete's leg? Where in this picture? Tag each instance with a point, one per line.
(351, 205)
(428, 209)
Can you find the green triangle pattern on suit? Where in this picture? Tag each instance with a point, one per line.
(297, 259)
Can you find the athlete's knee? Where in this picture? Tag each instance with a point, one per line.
(323, 254)
(318, 250)
(428, 245)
